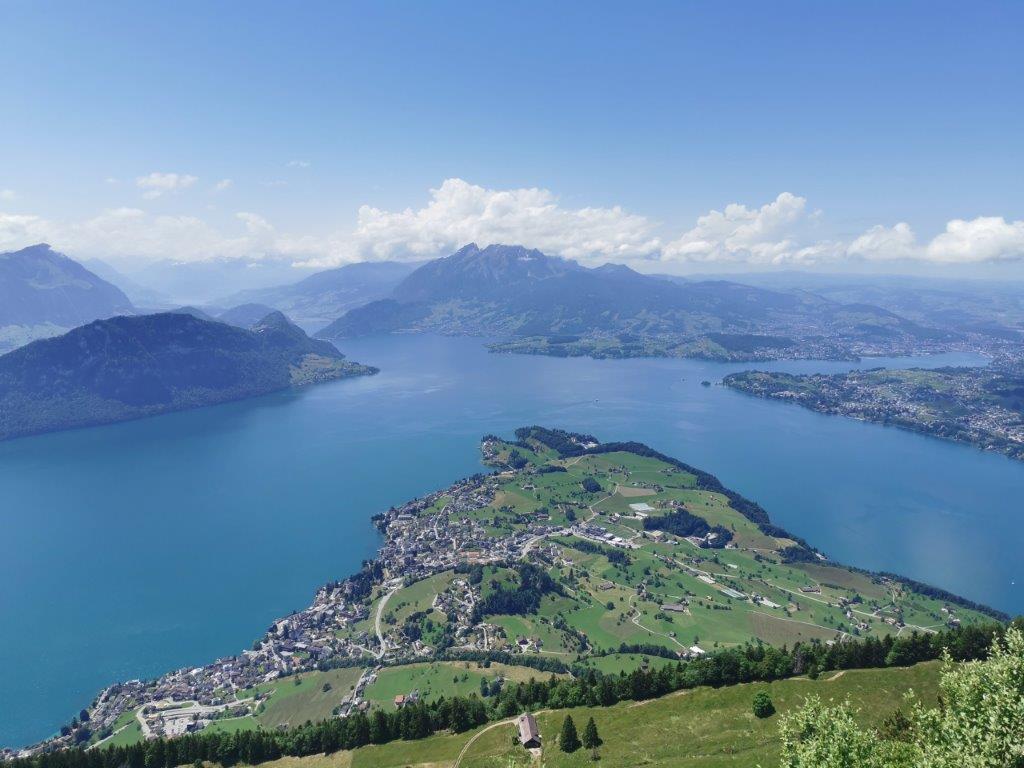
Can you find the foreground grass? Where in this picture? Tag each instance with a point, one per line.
(704, 727)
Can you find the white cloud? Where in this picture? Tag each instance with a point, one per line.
(156, 184)
(222, 185)
(780, 232)
(771, 234)
(986, 238)
(459, 212)
(7, 194)
(17, 231)
(298, 163)
(886, 243)
(983, 239)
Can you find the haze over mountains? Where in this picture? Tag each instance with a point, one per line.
(321, 298)
(532, 302)
(128, 367)
(43, 293)
(513, 292)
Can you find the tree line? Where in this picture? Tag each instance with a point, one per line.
(749, 663)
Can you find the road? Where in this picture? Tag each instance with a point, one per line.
(376, 621)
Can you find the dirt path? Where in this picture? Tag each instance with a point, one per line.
(477, 735)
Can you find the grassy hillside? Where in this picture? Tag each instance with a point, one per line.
(704, 727)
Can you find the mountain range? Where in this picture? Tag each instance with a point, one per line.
(514, 293)
(129, 367)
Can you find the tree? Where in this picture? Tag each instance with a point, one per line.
(762, 705)
(816, 736)
(568, 739)
(591, 739)
(484, 688)
(980, 722)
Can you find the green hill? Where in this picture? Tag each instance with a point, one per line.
(129, 367)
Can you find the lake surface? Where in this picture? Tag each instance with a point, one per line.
(131, 549)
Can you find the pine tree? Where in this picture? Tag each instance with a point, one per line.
(568, 739)
(591, 739)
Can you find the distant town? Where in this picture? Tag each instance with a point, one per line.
(980, 406)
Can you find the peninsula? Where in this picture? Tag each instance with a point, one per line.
(571, 557)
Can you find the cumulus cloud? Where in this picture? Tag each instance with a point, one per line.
(775, 233)
(222, 185)
(983, 239)
(156, 184)
(780, 232)
(298, 163)
(7, 194)
(886, 243)
(986, 238)
(459, 212)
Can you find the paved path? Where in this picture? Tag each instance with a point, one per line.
(376, 621)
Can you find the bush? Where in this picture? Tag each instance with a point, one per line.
(762, 705)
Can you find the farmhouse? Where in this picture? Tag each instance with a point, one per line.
(529, 733)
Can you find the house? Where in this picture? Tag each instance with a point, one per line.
(529, 733)
(399, 701)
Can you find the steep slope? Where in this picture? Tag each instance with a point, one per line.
(127, 367)
(39, 285)
(324, 296)
(43, 292)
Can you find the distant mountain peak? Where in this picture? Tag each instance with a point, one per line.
(474, 272)
(40, 286)
(275, 320)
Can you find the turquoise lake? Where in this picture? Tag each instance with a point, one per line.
(131, 549)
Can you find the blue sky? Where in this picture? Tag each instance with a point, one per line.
(872, 114)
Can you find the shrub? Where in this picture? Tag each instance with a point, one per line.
(762, 705)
